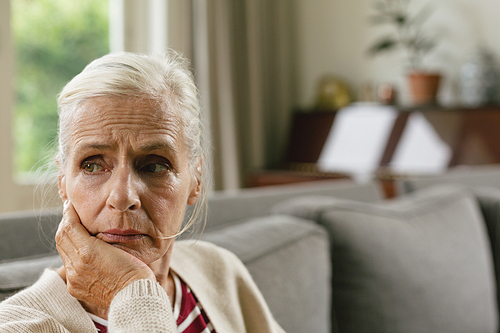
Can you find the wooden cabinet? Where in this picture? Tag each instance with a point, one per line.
(472, 133)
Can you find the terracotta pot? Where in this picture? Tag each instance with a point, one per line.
(424, 87)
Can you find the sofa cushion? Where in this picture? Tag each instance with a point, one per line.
(231, 207)
(467, 175)
(289, 260)
(420, 264)
(34, 233)
(19, 274)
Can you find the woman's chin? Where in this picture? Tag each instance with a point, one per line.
(146, 254)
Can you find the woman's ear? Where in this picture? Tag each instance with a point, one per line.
(195, 193)
(196, 186)
(61, 182)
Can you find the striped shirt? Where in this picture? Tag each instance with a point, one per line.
(188, 312)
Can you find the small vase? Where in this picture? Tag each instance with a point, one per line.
(424, 87)
(479, 79)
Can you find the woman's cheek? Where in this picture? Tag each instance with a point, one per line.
(168, 216)
(87, 208)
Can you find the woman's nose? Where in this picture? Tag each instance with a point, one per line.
(123, 190)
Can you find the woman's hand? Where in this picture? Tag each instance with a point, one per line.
(95, 270)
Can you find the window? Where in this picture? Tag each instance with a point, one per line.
(74, 32)
(53, 40)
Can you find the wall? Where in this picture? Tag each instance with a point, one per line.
(333, 36)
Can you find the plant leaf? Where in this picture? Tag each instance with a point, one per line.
(421, 44)
(385, 44)
(400, 19)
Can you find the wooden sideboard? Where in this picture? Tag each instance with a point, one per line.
(472, 133)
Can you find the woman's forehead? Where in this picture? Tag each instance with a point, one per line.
(139, 111)
(107, 118)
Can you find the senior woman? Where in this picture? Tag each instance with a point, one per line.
(130, 158)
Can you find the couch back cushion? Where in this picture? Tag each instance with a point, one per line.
(419, 264)
(228, 208)
(26, 234)
(467, 175)
(289, 261)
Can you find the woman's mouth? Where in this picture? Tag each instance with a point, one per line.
(121, 236)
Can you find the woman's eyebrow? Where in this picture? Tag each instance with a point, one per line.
(94, 146)
(98, 146)
(157, 146)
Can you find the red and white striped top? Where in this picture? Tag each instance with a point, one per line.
(188, 312)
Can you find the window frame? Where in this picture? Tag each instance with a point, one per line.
(168, 25)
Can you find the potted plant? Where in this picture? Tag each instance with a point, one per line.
(409, 36)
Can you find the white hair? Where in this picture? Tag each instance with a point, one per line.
(165, 79)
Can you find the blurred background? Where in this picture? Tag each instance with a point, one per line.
(292, 90)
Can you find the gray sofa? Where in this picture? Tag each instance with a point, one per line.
(288, 257)
(333, 256)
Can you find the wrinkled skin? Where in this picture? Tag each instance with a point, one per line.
(93, 269)
(125, 185)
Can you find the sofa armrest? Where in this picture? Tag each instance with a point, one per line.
(19, 274)
(489, 201)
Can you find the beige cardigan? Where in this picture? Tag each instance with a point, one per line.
(219, 280)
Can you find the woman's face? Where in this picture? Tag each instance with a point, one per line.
(127, 174)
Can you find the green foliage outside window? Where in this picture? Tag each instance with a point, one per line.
(54, 40)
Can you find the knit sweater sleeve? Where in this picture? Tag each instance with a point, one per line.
(142, 306)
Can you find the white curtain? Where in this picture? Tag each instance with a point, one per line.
(242, 57)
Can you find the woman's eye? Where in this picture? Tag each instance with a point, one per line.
(91, 167)
(155, 167)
